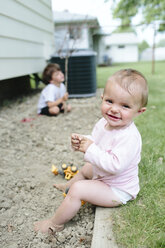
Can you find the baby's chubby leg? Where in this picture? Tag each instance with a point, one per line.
(85, 173)
(64, 213)
(92, 191)
(54, 110)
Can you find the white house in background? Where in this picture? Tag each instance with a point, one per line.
(121, 47)
(100, 47)
(26, 37)
(74, 31)
(146, 55)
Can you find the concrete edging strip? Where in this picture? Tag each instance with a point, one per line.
(102, 234)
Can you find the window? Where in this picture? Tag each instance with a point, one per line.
(108, 47)
(121, 46)
(74, 33)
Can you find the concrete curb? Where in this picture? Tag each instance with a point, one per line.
(102, 234)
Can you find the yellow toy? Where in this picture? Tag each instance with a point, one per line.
(67, 171)
(64, 166)
(54, 169)
(70, 172)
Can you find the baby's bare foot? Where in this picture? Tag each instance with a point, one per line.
(47, 226)
(61, 186)
(43, 226)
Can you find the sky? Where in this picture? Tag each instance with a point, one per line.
(103, 11)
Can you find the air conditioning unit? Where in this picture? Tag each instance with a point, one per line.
(81, 72)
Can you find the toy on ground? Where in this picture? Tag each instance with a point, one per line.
(67, 171)
(54, 169)
(70, 172)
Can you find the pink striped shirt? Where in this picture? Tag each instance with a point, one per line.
(115, 155)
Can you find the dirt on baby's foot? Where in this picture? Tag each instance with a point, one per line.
(43, 226)
(46, 226)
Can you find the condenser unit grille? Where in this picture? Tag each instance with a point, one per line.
(81, 74)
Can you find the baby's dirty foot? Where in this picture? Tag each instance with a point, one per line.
(47, 226)
(61, 187)
(43, 226)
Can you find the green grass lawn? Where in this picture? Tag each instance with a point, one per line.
(141, 223)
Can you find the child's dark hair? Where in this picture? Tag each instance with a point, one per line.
(48, 71)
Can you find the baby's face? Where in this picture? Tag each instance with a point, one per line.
(119, 107)
(57, 77)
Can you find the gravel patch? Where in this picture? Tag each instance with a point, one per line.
(27, 151)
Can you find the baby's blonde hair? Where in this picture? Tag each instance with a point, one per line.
(133, 81)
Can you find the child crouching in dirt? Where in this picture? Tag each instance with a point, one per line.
(53, 97)
(112, 153)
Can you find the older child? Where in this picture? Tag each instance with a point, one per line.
(54, 96)
(112, 153)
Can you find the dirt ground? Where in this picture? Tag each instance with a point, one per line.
(27, 152)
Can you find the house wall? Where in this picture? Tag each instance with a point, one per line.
(26, 36)
(146, 55)
(101, 51)
(82, 42)
(127, 54)
(63, 41)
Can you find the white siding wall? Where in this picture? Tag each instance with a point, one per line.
(127, 54)
(26, 36)
(101, 51)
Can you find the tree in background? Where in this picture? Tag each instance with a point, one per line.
(142, 46)
(153, 12)
(161, 43)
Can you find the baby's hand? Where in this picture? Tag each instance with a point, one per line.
(75, 141)
(65, 97)
(80, 143)
(84, 144)
(63, 105)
